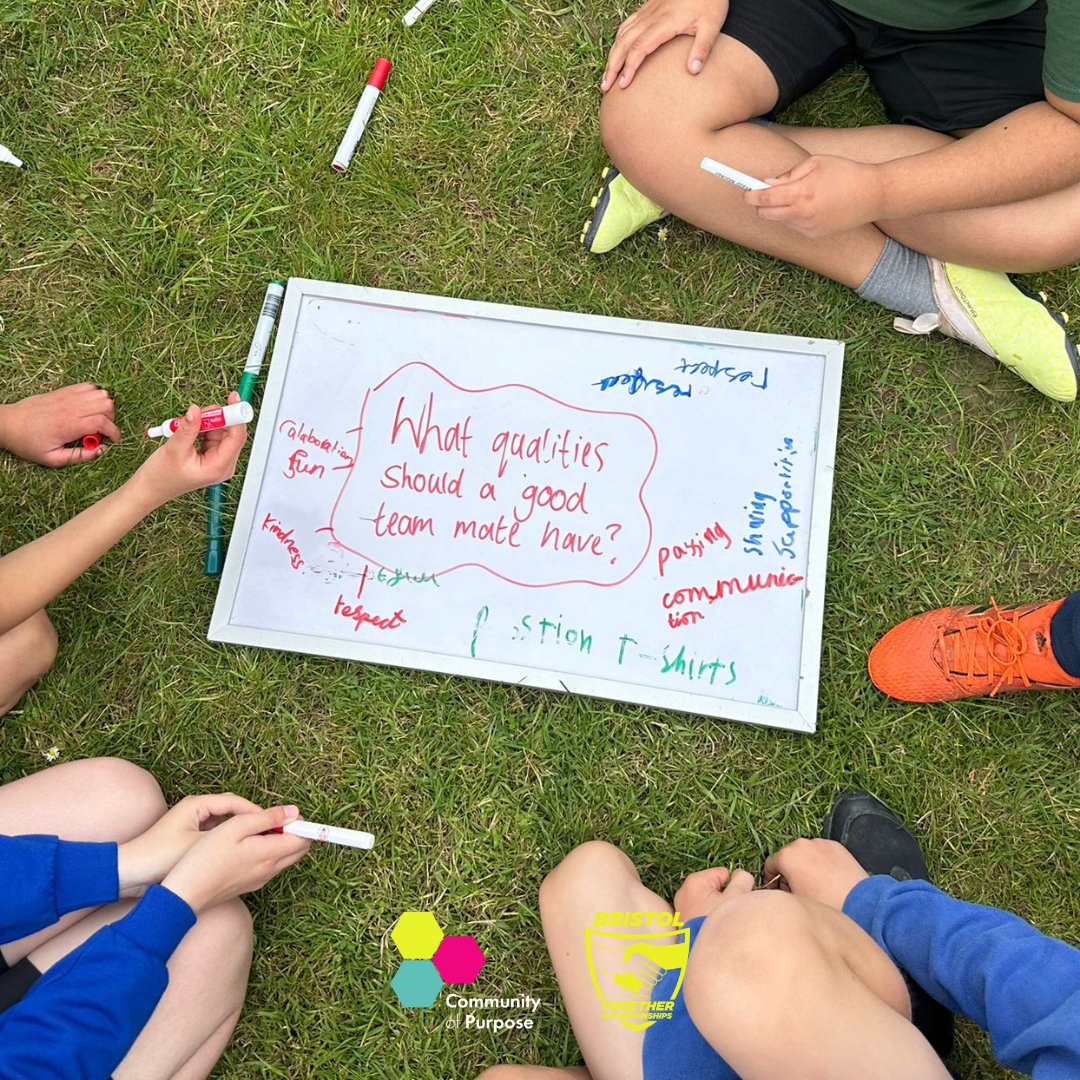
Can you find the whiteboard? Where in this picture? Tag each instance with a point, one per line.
(631, 510)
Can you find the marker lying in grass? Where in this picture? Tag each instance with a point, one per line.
(361, 115)
(330, 834)
(733, 176)
(8, 158)
(416, 11)
(215, 493)
(220, 416)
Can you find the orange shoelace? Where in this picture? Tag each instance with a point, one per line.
(993, 630)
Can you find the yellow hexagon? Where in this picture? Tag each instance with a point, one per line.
(417, 935)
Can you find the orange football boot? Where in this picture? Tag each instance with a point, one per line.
(962, 652)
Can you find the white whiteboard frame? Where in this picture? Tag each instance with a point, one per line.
(802, 718)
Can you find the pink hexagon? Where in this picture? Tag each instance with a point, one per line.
(459, 959)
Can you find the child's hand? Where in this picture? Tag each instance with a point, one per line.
(39, 428)
(239, 856)
(150, 856)
(821, 869)
(179, 466)
(700, 893)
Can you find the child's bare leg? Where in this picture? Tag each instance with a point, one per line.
(27, 651)
(658, 129)
(784, 986)
(594, 877)
(98, 799)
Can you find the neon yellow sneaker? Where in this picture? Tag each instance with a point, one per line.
(620, 211)
(1004, 320)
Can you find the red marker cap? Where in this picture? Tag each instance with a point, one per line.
(91, 442)
(379, 73)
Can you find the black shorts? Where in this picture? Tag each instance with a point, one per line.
(945, 80)
(15, 982)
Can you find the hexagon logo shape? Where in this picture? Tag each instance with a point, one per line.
(417, 984)
(417, 935)
(459, 959)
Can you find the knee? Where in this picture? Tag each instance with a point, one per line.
(748, 955)
(225, 937)
(662, 117)
(132, 790)
(504, 1072)
(43, 646)
(34, 645)
(587, 864)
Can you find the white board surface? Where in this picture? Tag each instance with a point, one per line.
(631, 510)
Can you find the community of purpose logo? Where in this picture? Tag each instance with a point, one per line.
(637, 960)
(431, 959)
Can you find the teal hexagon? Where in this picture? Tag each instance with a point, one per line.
(417, 984)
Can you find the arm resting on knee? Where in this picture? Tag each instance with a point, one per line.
(45, 878)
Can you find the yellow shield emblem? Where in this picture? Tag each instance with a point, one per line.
(626, 970)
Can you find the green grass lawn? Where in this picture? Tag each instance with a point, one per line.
(180, 158)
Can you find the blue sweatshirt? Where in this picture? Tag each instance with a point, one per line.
(80, 1018)
(992, 967)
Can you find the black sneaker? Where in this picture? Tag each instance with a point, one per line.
(880, 843)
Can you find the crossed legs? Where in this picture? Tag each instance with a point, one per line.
(658, 129)
(778, 985)
(108, 799)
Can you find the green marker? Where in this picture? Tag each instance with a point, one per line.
(215, 495)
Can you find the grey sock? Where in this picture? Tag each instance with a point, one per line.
(900, 281)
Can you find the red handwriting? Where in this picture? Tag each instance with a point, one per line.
(695, 547)
(443, 480)
(401, 476)
(300, 432)
(564, 540)
(550, 498)
(361, 617)
(695, 594)
(452, 439)
(395, 524)
(676, 619)
(567, 449)
(273, 526)
(296, 467)
(498, 532)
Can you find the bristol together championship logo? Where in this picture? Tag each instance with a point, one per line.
(637, 960)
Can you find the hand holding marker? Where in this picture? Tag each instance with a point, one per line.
(733, 176)
(220, 416)
(329, 834)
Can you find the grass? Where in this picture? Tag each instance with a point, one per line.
(180, 155)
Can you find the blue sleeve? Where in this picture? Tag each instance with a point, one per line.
(80, 1018)
(42, 878)
(999, 971)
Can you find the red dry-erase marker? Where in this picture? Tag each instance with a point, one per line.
(362, 115)
(91, 442)
(219, 416)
